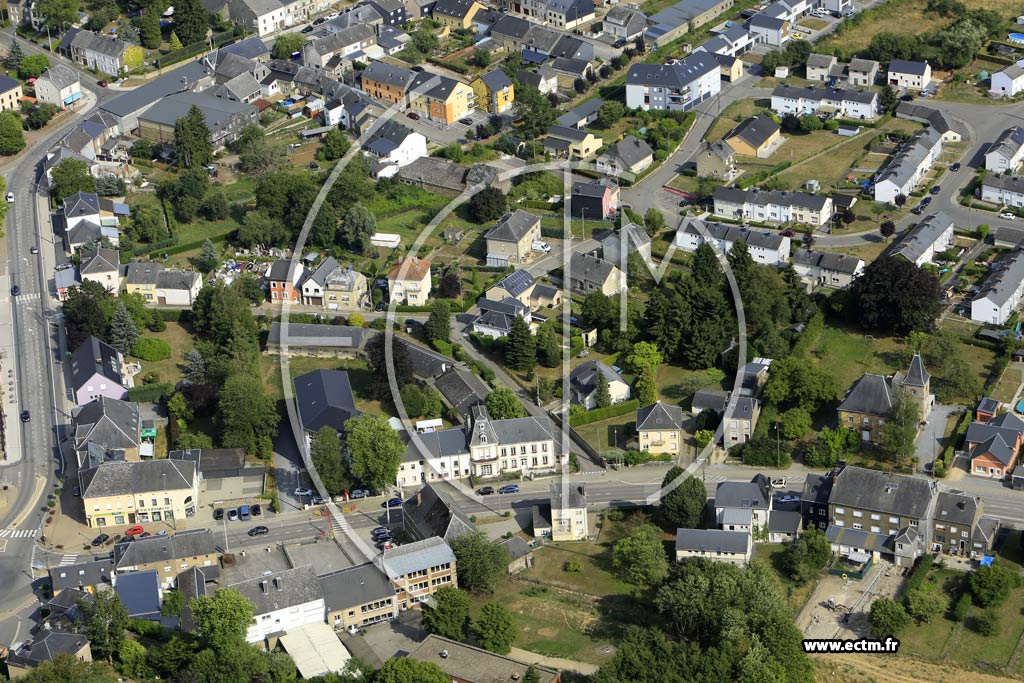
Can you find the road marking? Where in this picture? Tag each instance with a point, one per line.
(18, 533)
(67, 560)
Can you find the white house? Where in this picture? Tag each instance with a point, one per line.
(673, 87)
(932, 236)
(771, 31)
(624, 23)
(765, 246)
(910, 75)
(772, 206)
(1009, 82)
(733, 42)
(716, 545)
(583, 384)
(1004, 190)
(1006, 153)
(826, 269)
(843, 102)
(59, 85)
(262, 17)
(282, 601)
(903, 172)
(1001, 292)
(395, 144)
(743, 506)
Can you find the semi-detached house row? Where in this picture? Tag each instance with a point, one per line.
(843, 102)
(765, 246)
(905, 170)
(773, 206)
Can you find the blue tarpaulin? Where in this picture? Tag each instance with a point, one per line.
(987, 560)
(73, 98)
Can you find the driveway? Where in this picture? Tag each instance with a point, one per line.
(930, 441)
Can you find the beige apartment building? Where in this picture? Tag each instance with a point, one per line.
(417, 570)
(659, 428)
(121, 493)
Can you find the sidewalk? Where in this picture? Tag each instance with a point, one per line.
(12, 452)
(553, 662)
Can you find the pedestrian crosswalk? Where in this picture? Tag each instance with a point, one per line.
(339, 525)
(18, 533)
(28, 297)
(67, 560)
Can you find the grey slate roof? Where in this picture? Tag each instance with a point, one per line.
(431, 511)
(100, 260)
(574, 495)
(784, 521)
(752, 495)
(659, 416)
(439, 443)
(755, 131)
(956, 508)
(760, 197)
(281, 589)
(513, 227)
(45, 647)
(811, 92)
(916, 375)
(59, 75)
(710, 399)
(516, 546)
(426, 362)
(583, 378)
(94, 42)
(677, 75)
(767, 239)
(251, 47)
(516, 282)
(140, 594)
(1008, 142)
(988, 405)
(496, 80)
(923, 236)
(590, 269)
(630, 150)
(180, 78)
(462, 389)
(453, 8)
(94, 357)
(1001, 284)
(895, 494)
(107, 422)
(901, 167)
(996, 446)
(355, 586)
(712, 540)
(907, 67)
(580, 112)
(827, 260)
(325, 399)
(820, 61)
(122, 478)
(307, 334)
(762, 20)
(142, 551)
(82, 575)
(933, 117)
(216, 110)
(413, 557)
(513, 27)
(869, 395)
(858, 538)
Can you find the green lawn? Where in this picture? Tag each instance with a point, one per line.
(615, 431)
(827, 169)
(929, 641)
(179, 336)
(358, 372)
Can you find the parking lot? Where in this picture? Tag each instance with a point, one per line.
(444, 135)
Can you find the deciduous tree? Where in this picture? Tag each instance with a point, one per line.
(246, 416)
(408, 670)
(495, 628)
(287, 44)
(683, 506)
(489, 204)
(503, 404)
(887, 618)
(480, 561)
(375, 450)
(448, 616)
(325, 452)
(639, 557)
(222, 619)
(12, 137)
(895, 295)
(104, 620)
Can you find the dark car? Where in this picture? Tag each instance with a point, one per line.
(485, 491)
(321, 20)
(392, 503)
(509, 488)
(619, 43)
(259, 531)
(935, 189)
(926, 201)
(100, 540)
(788, 233)
(218, 514)
(15, 290)
(917, 210)
(25, 417)
(102, 84)
(466, 121)
(255, 511)
(33, 249)
(380, 531)
(379, 306)
(955, 167)
(418, 69)
(306, 29)
(907, 98)
(413, 115)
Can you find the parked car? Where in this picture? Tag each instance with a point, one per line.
(77, 491)
(15, 290)
(244, 514)
(386, 545)
(779, 483)
(466, 121)
(10, 197)
(788, 233)
(619, 43)
(302, 491)
(256, 511)
(259, 531)
(99, 540)
(33, 249)
(789, 499)
(317, 500)
(134, 530)
(955, 167)
(926, 201)
(358, 493)
(935, 189)
(413, 115)
(381, 531)
(102, 84)
(218, 514)
(306, 29)
(485, 491)
(232, 515)
(320, 20)
(541, 245)
(1007, 216)
(509, 488)
(392, 503)
(26, 416)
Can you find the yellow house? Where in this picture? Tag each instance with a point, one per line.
(10, 94)
(755, 137)
(563, 142)
(495, 92)
(456, 13)
(118, 493)
(445, 103)
(659, 428)
(511, 240)
(409, 281)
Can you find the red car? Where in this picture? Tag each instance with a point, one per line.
(134, 530)
(102, 84)
(788, 233)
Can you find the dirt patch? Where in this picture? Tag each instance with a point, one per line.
(873, 668)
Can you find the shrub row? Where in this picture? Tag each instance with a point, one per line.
(150, 393)
(748, 181)
(156, 246)
(598, 414)
(454, 66)
(919, 573)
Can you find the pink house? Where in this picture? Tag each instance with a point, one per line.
(98, 369)
(594, 200)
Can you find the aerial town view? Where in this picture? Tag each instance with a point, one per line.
(496, 341)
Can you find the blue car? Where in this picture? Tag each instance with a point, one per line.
(509, 488)
(392, 503)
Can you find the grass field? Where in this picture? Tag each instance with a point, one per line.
(605, 434)
(1007, 386)
(727, 121)
(358, 373)
(179, 337)
(829, 168)
(901, 17)
(574, 615)
(813, 23)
